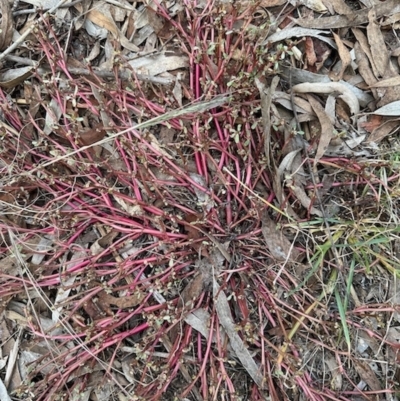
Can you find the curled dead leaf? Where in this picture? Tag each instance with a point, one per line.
(12, 78)
(324, 88)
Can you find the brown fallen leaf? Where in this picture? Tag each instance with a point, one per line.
(310, 53)
(367, 374)
(100, 305)
(362, 61)
(344, 55)
(279, 246)
(377, 43)
(322, 51)
(393, 81)
(326, 128)
(383, 131)
(104, 20)
(121, 302)
(303, 198)
(92, 135)
(373, 123)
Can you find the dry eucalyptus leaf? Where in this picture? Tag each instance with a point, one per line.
(94, 52)
(339, 6)
(226, 320)
(303, 198)
(53, 115)
(279, 246)
(157, 146)
(43, 247)
(385, 91)
(103, 20)
(286, 163)
(13, 77)
(299, 32)
(344, 55)
(346, 94)
(284, 99)
(121, 301)
(129, 207)
(364, 66)
(200, 319)
(3, 392)
(362, 41)
(391, 109)
(367, 374)
(360, 17)
(158, 63)
(94, 30)
(378, 46)
(27, 357)
(202, 196)
(316, 5)
(177, 91)
(334, 369)
(330, 108)
(393, 81)
(90, 136)
(326, 128)
(298, 76)
(193, 290)
(346, 148)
